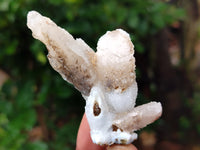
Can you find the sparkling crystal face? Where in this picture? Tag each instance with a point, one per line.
(106, 79)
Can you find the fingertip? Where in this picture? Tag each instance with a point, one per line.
(84, 141)
(121, 147)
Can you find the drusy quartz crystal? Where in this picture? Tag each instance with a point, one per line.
(106, 79)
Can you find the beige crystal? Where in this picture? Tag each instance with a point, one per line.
(117, 66)
(71, 58)
(106, 79)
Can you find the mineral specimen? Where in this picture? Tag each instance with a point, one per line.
(106, 79)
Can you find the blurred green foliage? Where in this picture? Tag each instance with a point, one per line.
(34, 84)
(190, 121)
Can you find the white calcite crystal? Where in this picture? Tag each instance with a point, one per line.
(106, 79)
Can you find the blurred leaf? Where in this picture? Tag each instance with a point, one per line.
(64, 92)
(41, 58)
(198, 128)
(3, 119)
(61, 88)
(158, 21)
(24, 120)
(143, 27)
(11, 49)
(56, 2)
(38, 50)
(139, 48)
(66, 135)
(43, 93)
(72, 1)
(14, 6)
(4, 5)
(133, 19)
(25, 96)
(37, 145)
(6, 106)
(184, 122)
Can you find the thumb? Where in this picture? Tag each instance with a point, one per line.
(121, 147)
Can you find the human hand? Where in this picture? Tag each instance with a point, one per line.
(84, 141)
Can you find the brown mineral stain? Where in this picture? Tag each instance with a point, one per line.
(115, 128)
(123, 141)
(96, 109)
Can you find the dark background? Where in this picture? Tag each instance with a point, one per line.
(40, 111)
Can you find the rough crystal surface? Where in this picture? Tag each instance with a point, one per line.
(106, 79)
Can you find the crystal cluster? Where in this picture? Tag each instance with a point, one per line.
(106, 79)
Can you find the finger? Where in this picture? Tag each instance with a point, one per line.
(121, 147)
(84, 141)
